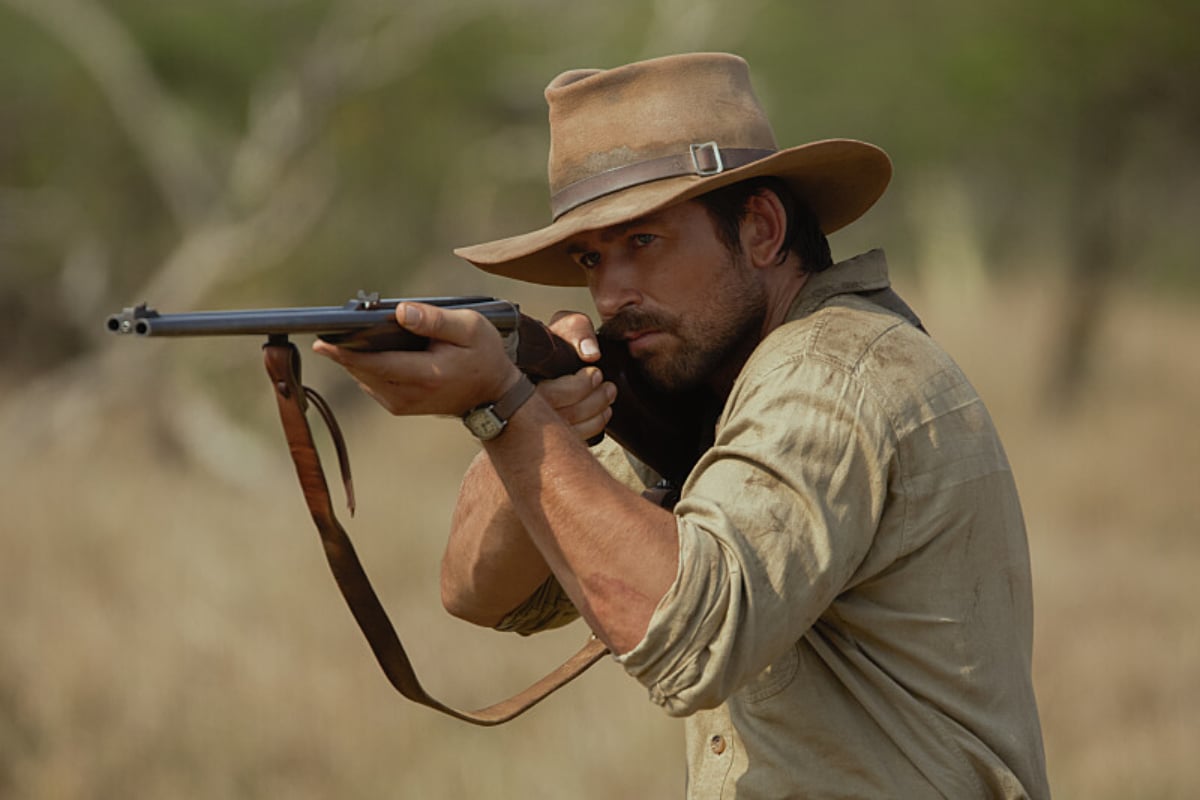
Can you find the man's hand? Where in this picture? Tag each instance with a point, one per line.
(465, 364)
(583, 400)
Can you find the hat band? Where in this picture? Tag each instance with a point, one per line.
(701, 159)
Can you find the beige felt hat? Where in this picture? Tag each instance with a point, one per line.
(626, 142)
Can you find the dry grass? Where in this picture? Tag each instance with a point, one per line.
(166, 635)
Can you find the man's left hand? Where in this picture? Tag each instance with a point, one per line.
(465, 364)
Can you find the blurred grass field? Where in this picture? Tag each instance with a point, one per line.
(169, 635)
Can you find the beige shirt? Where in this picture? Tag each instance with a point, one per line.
(852, 614)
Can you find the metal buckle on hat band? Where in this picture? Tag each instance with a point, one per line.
(707, 159)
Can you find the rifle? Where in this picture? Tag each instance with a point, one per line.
(664, 431)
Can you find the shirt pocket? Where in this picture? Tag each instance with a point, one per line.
(774, 679)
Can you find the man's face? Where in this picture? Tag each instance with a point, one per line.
(687, 307)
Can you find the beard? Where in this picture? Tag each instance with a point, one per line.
(710, 340)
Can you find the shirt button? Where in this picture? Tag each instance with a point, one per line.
(717, 744)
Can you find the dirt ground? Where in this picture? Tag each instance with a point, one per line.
(168, 634)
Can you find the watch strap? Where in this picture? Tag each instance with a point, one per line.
(514, 398)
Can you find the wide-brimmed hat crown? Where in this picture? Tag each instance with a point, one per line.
(629, 141)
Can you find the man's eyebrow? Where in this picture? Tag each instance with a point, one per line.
(617, 231)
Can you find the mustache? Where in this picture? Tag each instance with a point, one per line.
(634, 320)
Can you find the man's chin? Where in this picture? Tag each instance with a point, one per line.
(664, 374)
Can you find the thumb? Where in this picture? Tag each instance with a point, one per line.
(577, 329)
(409, 316)
(459, 326)
(455, 326)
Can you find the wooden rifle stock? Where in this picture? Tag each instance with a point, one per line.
(663, 430)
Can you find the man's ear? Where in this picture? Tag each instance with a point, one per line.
(763, 228)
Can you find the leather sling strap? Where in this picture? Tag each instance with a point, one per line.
(283, 366)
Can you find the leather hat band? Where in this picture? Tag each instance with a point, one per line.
(701, 159)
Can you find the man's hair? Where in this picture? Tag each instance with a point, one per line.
(804, 237)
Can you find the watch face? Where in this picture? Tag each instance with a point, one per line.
(484, 423)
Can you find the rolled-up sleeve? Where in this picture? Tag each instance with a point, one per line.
(772, 523)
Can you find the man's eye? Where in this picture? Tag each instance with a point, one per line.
(588, 260)
(643, 239)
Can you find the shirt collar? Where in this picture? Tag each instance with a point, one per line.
(862, 273)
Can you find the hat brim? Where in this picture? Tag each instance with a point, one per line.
(839, 179)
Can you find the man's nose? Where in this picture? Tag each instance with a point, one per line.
(613, 288)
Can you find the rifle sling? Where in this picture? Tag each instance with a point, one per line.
(283, 366)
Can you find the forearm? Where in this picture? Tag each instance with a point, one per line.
(490, 564)
(614, 553)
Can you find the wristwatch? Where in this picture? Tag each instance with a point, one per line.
(487, 421)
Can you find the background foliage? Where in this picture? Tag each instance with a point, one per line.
(277, 152)
(131, 126)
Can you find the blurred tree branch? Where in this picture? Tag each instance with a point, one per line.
(252, 217)
(152, 120)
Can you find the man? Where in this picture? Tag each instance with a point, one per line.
(839, 602)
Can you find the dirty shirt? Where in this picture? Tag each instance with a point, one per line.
(852, 612)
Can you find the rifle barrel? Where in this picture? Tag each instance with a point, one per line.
(355, 315)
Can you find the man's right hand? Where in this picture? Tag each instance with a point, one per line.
(584, 400)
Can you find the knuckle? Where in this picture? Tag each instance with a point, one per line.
(435, 321)
(571, 321)
(551, 387)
